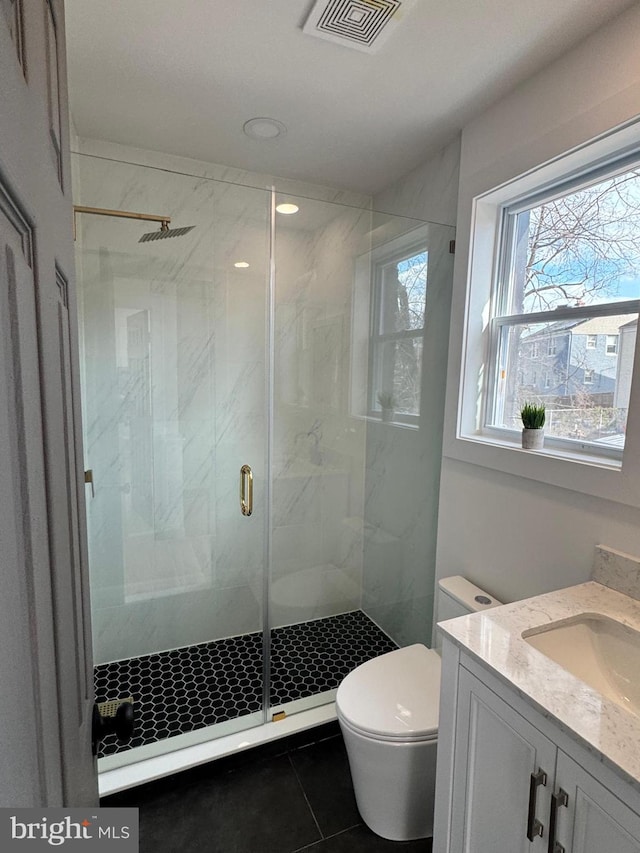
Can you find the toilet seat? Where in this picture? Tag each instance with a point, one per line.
(394, 697)
(385, 738)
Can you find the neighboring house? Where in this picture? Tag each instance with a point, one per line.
(626, 350)
(571, 359)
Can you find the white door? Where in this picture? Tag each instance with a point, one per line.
(590, 819)
(46, 692)
(503, 774)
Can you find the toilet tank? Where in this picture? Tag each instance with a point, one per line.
(457, 597)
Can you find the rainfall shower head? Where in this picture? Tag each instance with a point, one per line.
(165, 231)
(164, 221)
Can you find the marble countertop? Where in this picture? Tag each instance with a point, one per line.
(494, 638)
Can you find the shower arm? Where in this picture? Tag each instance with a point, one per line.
(123, 214)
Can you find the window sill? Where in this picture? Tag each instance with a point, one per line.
(596, 476)
(601, 462)
(373, 419)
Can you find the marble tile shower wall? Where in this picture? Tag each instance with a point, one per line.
(173, 378)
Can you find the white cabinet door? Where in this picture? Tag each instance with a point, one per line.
(590, 819)
(495, 804)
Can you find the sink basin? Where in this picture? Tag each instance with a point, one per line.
(596, 649)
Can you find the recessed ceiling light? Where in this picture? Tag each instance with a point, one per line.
(241, 265)
(287, 208)
(264, 128)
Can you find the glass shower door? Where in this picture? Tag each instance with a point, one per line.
(174, 394)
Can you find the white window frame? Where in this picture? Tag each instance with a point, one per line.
(592, 342)
(363, 317)
(465, 437)
(378, 339)
(612, 348)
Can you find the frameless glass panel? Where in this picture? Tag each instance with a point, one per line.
(351, 534)
(173, 386)
(318, 457)
(403, 451)
(569, 366)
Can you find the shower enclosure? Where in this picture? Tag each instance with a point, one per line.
(251, 351)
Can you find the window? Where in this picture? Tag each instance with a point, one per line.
(491, 329)
(569, 271)
(400, 291)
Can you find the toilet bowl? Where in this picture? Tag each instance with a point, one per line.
(388, 714)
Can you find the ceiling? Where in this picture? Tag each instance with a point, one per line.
(183, 78)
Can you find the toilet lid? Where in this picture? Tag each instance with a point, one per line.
(395, 695)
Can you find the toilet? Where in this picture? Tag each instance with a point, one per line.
(388, 714)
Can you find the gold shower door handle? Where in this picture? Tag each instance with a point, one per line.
(246, 490)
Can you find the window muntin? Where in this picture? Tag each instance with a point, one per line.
(568, 282)
(400, 290)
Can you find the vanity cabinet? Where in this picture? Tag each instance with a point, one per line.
(593, 820)
(510, 781)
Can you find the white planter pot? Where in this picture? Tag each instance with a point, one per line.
(532, 439)
(387, 416)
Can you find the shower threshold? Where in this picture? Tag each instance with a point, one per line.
(147, 769)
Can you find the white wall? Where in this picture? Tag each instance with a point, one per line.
(516, 537)
(428, 192)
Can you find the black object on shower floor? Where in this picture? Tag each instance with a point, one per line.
(185, 689)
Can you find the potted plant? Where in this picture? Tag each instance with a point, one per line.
(387, 402)
(533, 417)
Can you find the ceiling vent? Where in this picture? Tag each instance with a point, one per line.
(361, 24)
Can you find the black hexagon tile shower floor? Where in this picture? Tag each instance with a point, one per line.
(186, 689)
(311, 657)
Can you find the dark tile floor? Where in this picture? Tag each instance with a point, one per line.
(292, 795)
